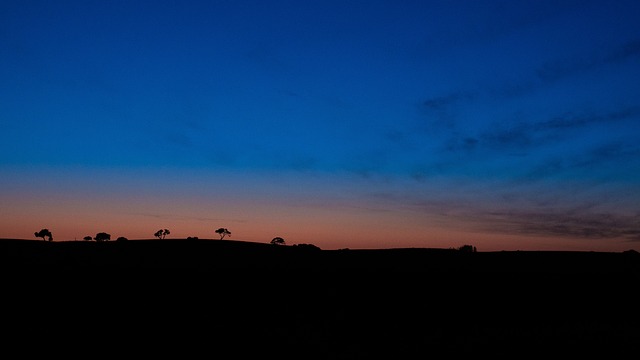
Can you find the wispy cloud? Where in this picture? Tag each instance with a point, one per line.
(441, 110)
(586, 221)
(524, 135)
(560, 69)
(441, 103)
(574, 224)
(572, 121)
(188, 218)
(608, 158)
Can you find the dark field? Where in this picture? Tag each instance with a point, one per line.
(205, 298)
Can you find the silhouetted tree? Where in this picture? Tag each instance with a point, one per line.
(122, 238)
(223, 232)
(278, 241)
(102, 236)
(88, 238)
(44, 233)
(160, 234)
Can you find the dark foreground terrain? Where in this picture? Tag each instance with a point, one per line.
(235, 299)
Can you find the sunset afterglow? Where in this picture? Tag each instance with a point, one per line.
(345, 124)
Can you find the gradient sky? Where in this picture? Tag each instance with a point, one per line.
(507, 125)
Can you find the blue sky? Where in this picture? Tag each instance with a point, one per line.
(507, 124)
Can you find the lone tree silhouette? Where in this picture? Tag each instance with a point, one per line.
(44, 233)
(160, 234)
(278, 241)
(88, 238)
(103, 236)
(223, 232)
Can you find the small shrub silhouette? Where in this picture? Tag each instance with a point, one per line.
(88, 238)
(122, 238)
(309, 247)
(278, 241)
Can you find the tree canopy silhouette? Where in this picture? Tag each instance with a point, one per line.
(162, 233)
(102, 236)
(223, 232)
(278, 241)
(88, 238)
(44, 233)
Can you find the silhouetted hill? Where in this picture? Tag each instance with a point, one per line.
(207, 254)
(263, 299)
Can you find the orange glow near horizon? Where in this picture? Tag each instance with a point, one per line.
(328, 228)
(332, 215)
(515, 128)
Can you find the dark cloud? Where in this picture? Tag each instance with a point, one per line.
(179, 139)
(632, 235)
(553, 71)
(513, 138)
(630, 49)
(516, 138)
(395, 136)
(525, 151)
(444, 106)
(574, 224)
(608, 158)
(303, 163)
(440, 103)
(578, 222)
(586, 220)
(511, 90)
(572, 121)
(441, 110)
(462, 143)
(559, 69)
(546, 168)
(471, 23)
(611, 151)
(222, 157)
(424, 172)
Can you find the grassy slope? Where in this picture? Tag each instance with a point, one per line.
(247, 297)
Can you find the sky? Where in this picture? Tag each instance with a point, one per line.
(506, 125)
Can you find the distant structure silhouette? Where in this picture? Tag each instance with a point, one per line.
(162, 233)
(44, 233)
(223, 232)
(278, 241)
